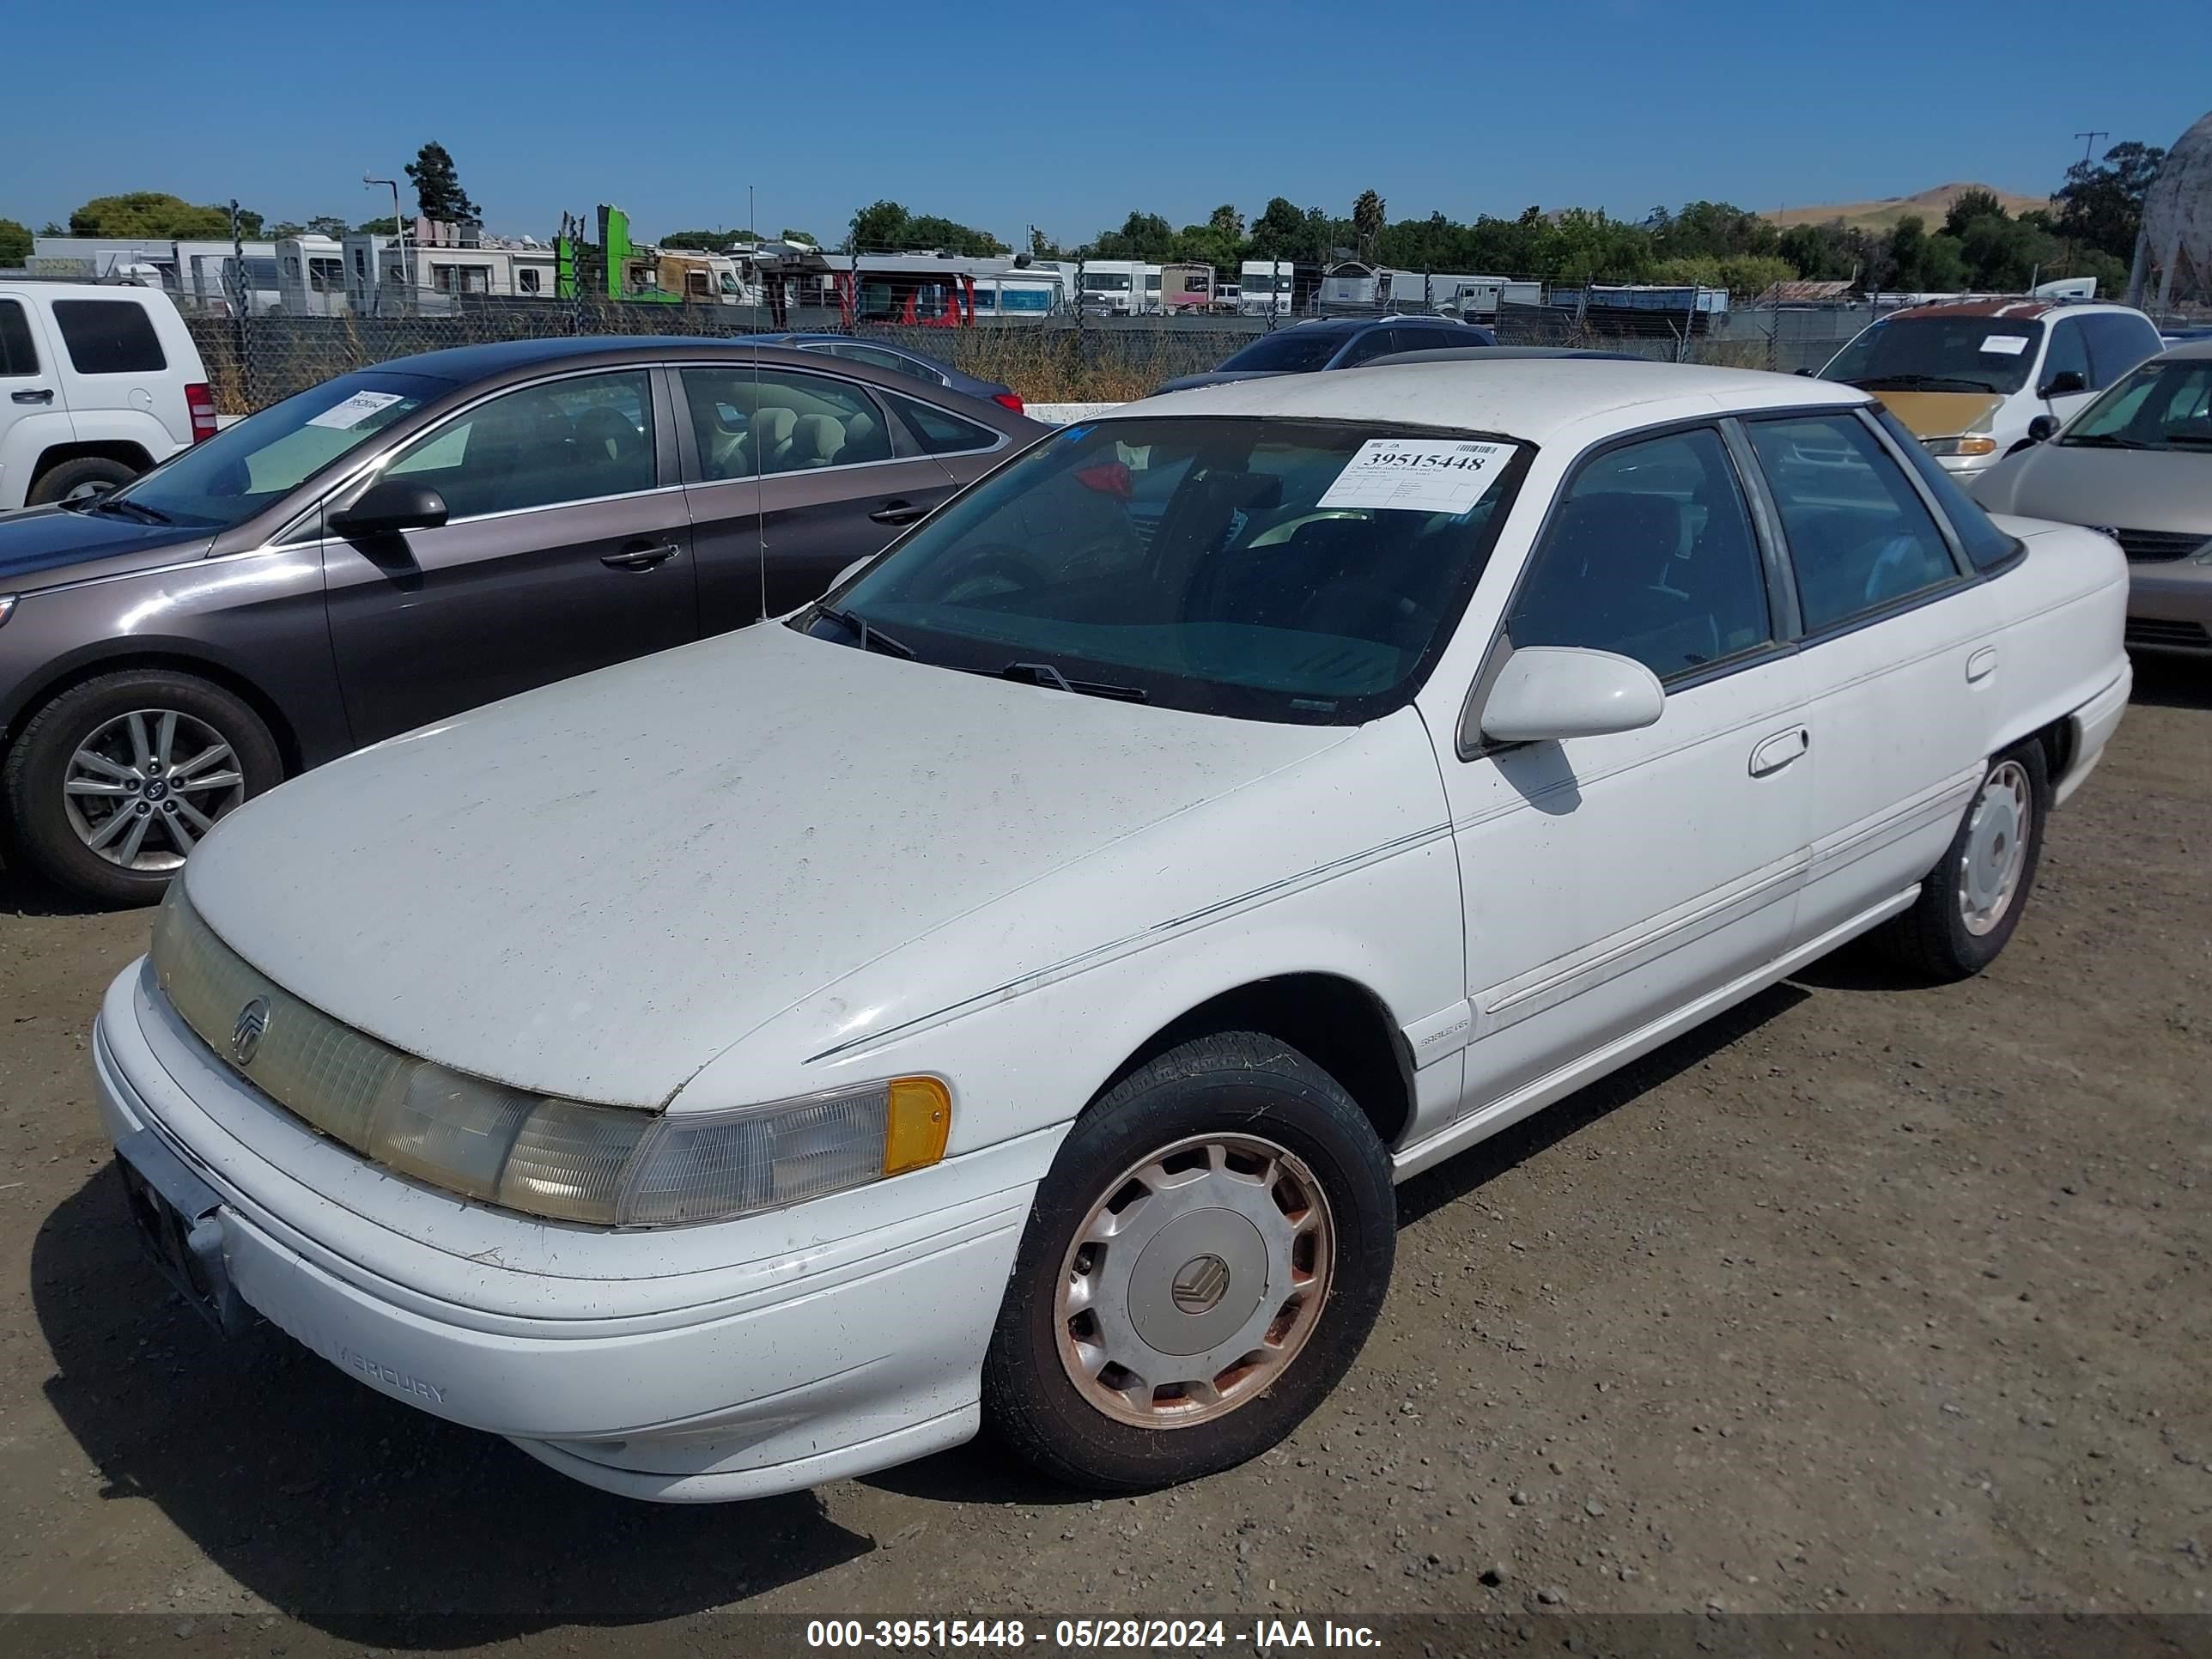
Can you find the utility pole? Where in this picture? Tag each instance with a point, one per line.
(2089, 143)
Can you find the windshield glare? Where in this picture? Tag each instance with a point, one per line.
(1940, 354)
(1206, 564)
(246, 467)
(2158, 406)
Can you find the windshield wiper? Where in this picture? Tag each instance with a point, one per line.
(1043, 673)
(128, 509)
(871, 637)
(1919, 383)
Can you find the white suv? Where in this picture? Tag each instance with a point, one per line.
(100, 382)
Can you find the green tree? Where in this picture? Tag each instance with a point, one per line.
(950, 235)
(2101, 206)
(284, 227)
(1972, 204)
(878, 227)
(15, 243)
(805, 236)
(709, 242)
(156, 214)
(1142, 236)
(1226, 222)
(438, 192)
(387, 226)
(1279, 232)
(1715, 229)
(327, 224)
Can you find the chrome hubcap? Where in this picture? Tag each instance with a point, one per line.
(145, 786)
(1997, 847)
(1194, 1280)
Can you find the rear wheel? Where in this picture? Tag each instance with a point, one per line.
(1972, 902)
(1203, 1263)
(79, 480)
(111, 784)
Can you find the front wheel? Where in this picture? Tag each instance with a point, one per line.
(1972, 902)
(114, 782)
(1203, 1263)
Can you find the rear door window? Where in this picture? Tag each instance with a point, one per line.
(109, 337)
(2117, 345)
(19, 353)
(750, 421)
(1860, 537)
(940, 433)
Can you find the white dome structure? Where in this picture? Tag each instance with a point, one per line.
(2173, 261)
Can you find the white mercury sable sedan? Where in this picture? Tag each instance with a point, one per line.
(1007, 990)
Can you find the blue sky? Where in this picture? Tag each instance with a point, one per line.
(1005, 115)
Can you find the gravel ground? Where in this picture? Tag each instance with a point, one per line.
(1867, 1298)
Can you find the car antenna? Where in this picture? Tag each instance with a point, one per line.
(752, 423)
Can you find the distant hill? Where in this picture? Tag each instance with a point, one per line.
(1930, 205)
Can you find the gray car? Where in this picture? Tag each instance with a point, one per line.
(405, 542)
(2137, 465)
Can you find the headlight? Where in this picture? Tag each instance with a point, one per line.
(521, 1150)
(1960, 446)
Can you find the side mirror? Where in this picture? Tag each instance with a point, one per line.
(1807, 373)
(390, 506)
(2066, 380)
(1547, 692)
(2042, 428)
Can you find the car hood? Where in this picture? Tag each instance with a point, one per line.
(48, 546)
(1943, 414)
(594, 888)
(1218, 377)
(2159, 489)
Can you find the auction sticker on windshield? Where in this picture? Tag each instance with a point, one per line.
(1417, 475)
(354, 410)
(2005, 345)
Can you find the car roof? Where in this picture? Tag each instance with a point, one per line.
(1533, 398)
(2014, 310)
(2187, 351)
(463, 364)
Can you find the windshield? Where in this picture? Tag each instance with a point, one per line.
(1940, 354)
(243, 469)
(1107, 281)
(1260, 282)
(2165, 405)
(1297, 571)
(1293, 352)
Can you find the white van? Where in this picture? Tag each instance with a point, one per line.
(1972, 378)
(1114, 287)
(98, 382)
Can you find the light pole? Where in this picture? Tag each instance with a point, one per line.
(406, 263)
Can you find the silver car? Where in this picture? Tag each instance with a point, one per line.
(2137, 464)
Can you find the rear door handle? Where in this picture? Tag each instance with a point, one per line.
(1778, 750)
(641, 556)
(1982, 664)
(40, 395)
(897, 512)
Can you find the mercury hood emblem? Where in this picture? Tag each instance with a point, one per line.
(252, 1025)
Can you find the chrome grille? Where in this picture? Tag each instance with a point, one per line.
(2161, 546)
(324, 1072)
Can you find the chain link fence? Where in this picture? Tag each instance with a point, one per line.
(259, 359)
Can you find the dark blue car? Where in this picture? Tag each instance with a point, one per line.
(1336, 343)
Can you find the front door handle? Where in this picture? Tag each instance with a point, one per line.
(1778, 750)
(44, 394)
(641, 556)
(1982, 664)
(897, 512)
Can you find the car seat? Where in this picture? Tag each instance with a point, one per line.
(612, 455)
(767, 440)
(816, 441)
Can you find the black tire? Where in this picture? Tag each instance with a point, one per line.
(1934, 938)
(58, 481)
(1245, 1088)
(40, 830)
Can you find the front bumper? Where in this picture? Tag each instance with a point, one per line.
(786, 1367)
